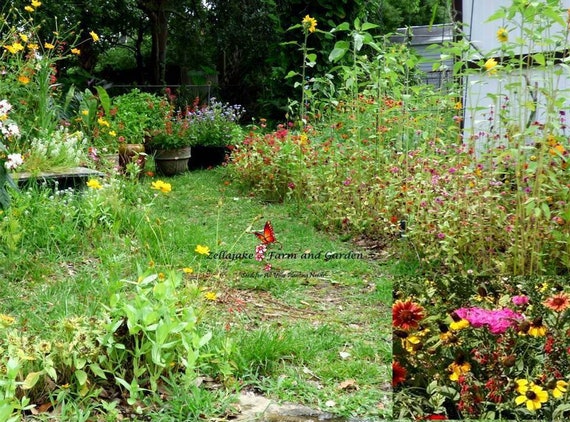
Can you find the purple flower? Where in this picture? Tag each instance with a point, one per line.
(441, 235)
(496, 320)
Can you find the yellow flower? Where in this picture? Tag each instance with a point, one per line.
(458, 105)
(559, 388)
(458, 369)
(309, 24)
(6, 320)
(24, 37)
(23, 79)
(49, 46)
(94, 184)
(29, 9)
(490, 66)
(161, 276)
(76, 51)
(411, 343)
(202, 250)
(36, 3)
(33, 46)
(502, 35)
(161, 186)
(85, 112)
(11, 49)
(112, 133)
(17, 46)
(103, 122)
(557, 150)
(530, 394)
(187, 270)
(94, 36)
(459, 325)
(211, 295)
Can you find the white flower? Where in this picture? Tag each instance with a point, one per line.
(5, 107)
(14, 161)
(9, 129)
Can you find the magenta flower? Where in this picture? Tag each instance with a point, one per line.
(496, 320)
(520, 300)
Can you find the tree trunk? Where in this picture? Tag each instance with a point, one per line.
(158, 14)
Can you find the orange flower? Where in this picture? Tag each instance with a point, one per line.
(406, 314)
(559, 302)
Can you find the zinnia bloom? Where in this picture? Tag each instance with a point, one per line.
(520, 300)
(94, 184)
(559, 302)
(398, 373)
(530, 394)
(406, 315)
(309, 24)
(202, 250)
(502, 35)
(161, 186)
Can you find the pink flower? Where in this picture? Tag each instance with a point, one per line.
(496, 320)
(520, 300)
(260, 252)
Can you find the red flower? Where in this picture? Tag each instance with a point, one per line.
(398, 373)
(406, 315)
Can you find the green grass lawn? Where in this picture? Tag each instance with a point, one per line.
(313, 329)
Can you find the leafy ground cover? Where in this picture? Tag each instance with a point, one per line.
(128, 301)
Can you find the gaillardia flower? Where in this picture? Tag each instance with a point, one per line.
(406, 315)
(559, 302)
(398, 373)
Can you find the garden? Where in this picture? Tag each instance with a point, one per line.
(163, 291)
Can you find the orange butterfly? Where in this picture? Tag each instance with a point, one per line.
(267, 236)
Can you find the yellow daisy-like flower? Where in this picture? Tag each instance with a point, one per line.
(94, 36)
(411, 343)
(112, 133)
(491, 66)
(530, 394)
(103, 122)
(161, 276)
(29, 9)
(24, 37)
(49, 46)
(309, 24)
(76, 51)
(559, 388)
(23, 79)
(211, 296)
(502, 35)
(459, 325)
(458, 369)
(36, 3)
(17, 46)
(85, 112)
(458, 105)
(202, 250)
(94, 184)
(187, 270)
(161, 186)
(33, 47)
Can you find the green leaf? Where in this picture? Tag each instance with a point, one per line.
(358, 41)
(81, 376)
(342, 27)
(31, 379)
(339, 50)
(367, 25)
(291, 74)
(539, 58)
(96, 369)
(104, 99)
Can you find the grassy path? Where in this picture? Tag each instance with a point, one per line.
(313, 329)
